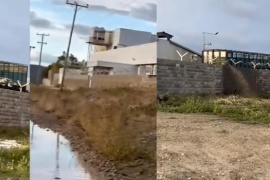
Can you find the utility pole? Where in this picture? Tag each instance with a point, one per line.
(40, 55)
(70, 37)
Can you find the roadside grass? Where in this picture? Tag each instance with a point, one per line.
(242, 109)
(119, 122)
(21, 135)
(15, 161)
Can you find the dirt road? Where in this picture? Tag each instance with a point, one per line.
(204, 147)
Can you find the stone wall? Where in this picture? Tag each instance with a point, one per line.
(188, 78)
(10, 107)
(263, 81)
(195, 78)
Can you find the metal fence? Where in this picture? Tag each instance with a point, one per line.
(14, 71)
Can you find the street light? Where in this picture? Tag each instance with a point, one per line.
(204, 43)
(31, 47)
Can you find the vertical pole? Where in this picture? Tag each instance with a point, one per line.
(203, 48)
(21, 106)
(40, 54)
(69, 42)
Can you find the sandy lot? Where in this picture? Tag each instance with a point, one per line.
(206, 147)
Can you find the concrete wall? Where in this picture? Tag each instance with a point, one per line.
(199, 78)
(246, 81)
(11, 106)
(103, 81)
(166, 50)
(188, 78)
(117, 68)
(134, 55)
(73, 82)
(263, 81)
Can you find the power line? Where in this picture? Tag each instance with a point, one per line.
(40, 54)
(70, 37)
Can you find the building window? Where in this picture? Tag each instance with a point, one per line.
(255, 56)
(246, 56)
(251, 56)
(229, 55)
(149, 69)
(259, 56)
(234, 55)
(195, 57)
(114, 47)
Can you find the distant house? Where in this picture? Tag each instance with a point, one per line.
(237, 58)
(140, 59)
(133, 60)
(168, 49)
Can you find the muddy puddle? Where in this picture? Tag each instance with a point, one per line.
(52, 158)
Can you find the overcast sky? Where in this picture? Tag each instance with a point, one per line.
(242, 24)
(55, 17)
(14, 31)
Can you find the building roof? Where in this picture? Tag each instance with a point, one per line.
(163, 34)
(13, 63)
(236, 51)
(184, 47)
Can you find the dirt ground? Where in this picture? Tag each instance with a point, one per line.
(206, 147)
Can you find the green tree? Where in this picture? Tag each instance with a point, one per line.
(73, 59)
(61, 59)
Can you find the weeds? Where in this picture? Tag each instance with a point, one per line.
(119, 122)
(251, 110)
(14, 161)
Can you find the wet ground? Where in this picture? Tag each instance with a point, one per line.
(52, 158)
(9, 144)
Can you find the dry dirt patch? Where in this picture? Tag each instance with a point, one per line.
(205, 147)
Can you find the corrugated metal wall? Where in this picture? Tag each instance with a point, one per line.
(36, 74)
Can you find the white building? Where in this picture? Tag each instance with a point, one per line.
(103, 40)
(138, 55)
(140, 60)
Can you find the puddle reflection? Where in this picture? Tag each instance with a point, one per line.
(52, 158)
